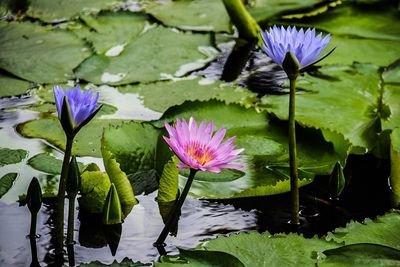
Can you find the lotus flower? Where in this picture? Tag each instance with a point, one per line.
(82, 105)
(305, 46)
(198, 149)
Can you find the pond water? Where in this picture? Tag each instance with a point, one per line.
(227, 78)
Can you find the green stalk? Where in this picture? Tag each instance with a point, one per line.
(246, 25)
(71, 216)
(294, 185)
(59, 225)
(175, 212)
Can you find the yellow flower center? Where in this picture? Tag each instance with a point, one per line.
(201, 155)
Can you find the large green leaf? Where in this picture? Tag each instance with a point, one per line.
(162, 95)
(395, 166)
(383, 230)
(361, 33)
(254, 249)
(110, 32)
(157, 52)
(391, 101)
(198, 15)
(11, 156)
(133, 144)
(86, 143)
(263, 10)
(360, 255)
(266, 151)
(40, 54)
(6, 182)
(168, 189)
(198, 258)
(120, 180)
(46, 162)
(10, 86)
(360, 21)
(350, 93)
(56, 10)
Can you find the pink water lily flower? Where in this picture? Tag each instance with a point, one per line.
(198, 149)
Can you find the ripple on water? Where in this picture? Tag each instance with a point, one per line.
(200, 220)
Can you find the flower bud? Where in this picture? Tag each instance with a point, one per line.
(34, 196)
(112, 213)
(291, 65)
(73, 179)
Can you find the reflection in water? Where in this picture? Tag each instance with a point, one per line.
(113, 236)
(165, 208)
(35, 261)
(199, 220)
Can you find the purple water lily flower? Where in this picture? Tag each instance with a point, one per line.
(82, 104)
(198, 149)
(305, 46)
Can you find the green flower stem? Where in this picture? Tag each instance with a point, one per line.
(61, 197)
(32, 232)
(71, 216)
(248, 28)
(294, 184)
(175, 211)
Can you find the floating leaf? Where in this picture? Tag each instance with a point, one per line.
(120, 180)
(263, 10)
(52, 11)
(10, 86)
(40, 54)
(383, 230)
(348, 92)
(197, 15)
(162, 95)
(163, 50)
(6, 182)
(133, 145)
(46, 162)
(198, 258)
(110, 32)
(266, 151)
(254, 249)
(360, 255)
(86, 143)
(11, 156)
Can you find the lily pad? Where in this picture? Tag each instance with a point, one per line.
(47, 163)
(199, 258)
(162, 95)
(11, 156)
(254, 249)
(346, 92)
(86, 143)
(157, 52)
(197, 15)
(10, 86)
(263, 10)
(383, 231)
(266, 153)
(133, 145)
(6, 182)
(110, 32)
(57, 10)
(40, 54)
(360, 255)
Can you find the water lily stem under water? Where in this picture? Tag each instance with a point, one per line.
(59, 226)
(173, 216)
(294, 185)
(71, 215)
